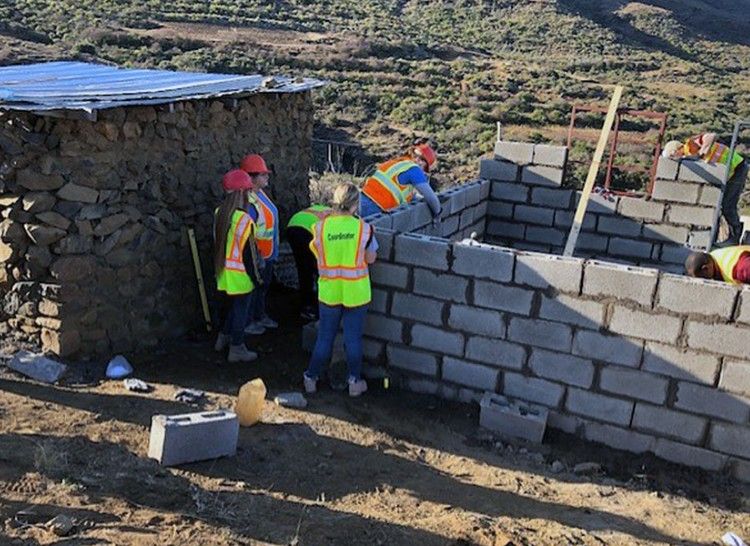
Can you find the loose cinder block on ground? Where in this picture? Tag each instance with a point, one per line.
(191, 437)
(512, 419)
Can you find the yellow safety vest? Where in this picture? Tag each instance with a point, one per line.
(339, 245)
(383, 187)
(717, 153)
(265, 226)
(727, 258)
(233, 278)
(307, 218)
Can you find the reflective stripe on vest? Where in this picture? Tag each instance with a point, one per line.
(717, 153)
(265, 225)
(339, 244)
(727, 258)
(383, 187)
(307, 218)
(233, 278)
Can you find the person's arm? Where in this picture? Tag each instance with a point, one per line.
(371, 250)
(417, 178)
(705, 141)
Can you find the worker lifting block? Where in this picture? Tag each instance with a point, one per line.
(512, 419)
(190, 437)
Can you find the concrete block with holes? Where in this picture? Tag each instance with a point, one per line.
(191, 437)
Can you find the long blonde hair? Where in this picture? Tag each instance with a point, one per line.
(233, 201)
(345, 197)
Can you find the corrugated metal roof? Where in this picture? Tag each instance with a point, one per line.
(90, 87)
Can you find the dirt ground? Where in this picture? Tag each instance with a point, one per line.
(394, 468)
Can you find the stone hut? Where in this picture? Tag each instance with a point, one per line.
(102, 172)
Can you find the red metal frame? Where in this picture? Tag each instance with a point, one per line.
(647, 114)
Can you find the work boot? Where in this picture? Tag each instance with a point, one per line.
(311, 385)
(268, 323)
(255, 329)
(240, 353)
(357, 386)
(222, 342)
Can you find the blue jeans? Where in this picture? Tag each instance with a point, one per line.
(367, 206)
(354, 325)
(260, 294)
(234, 314)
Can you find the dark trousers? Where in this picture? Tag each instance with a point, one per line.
(232, 313)
(732, 192)
(307, 267)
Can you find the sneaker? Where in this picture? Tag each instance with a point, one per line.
(222, 342)
(240, 353)
(268, 323)
(357, 387)
(311, 385)
(255, 329)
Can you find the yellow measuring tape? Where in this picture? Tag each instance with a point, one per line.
(199, 277)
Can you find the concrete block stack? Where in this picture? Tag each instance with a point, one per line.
(94, 255)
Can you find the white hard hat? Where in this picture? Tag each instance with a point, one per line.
(119, 367)
(670, 148)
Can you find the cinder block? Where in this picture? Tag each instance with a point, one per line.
(563, 368)
(541, 175)
(689, 455)
(743, 309)
(521, 153)
(634, 384)
(512, 419)
(483, 261)
(476, 321)
(506, 230)
(466, 218)
(480, 210)
(386, 274)
(510, 191)
(622, 282)
(550, 236)
(665, 232)
(672, 424)
(402, 219)
(533, 247)
(421, 385)
(666, 168)
(543, 270)
(633, 207)
(589, 241)
(612, 349)
(709, 401)
(598, 406)
(735, 377)
(722, 339)
(680, 363)
(564, 218)
(553, 156)
(618, 438)
(190, 437)
(385, 238)
(740, 469)
(410, 360)
(731, 439)
(382, 327)
(440, 286)
(675, 192)
(470, 375)
(500, 209)
(687, 215)
(552, 197)
(449, 227)
(473, 192)
(700, 171)
(645, 325)
(691, 295)
(710, 196)
(673, 254)
(457, 200)
(496, 352)
(428, 252)
(379, 302)
(614, 225)
(437, 339)
(379, 220)
(531, 389)
(421, 213)
(534, 215)
(599, 204)
(372, 350)
(498, 170)
(502, 297)
(699, 239)
(540, 333)
(629, 247)
(562, 421)
(572, 310)
(417, 308)
(484, 189)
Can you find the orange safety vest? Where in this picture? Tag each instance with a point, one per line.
(265, 225)
(717, 153)
(383, 187)
(726, 259)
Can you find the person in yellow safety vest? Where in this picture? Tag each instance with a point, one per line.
(299, 234)
(233, 260)
(395, 182)
(343, 245)
(730, 264)
(706, 147)
(266, 216)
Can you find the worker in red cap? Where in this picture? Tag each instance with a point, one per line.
(235, 264)
(266, 216)
(394, 182)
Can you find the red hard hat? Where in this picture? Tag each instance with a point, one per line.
(236, 180)
(426, 153)
(254, 164)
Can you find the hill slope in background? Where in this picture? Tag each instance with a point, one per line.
(448, 70)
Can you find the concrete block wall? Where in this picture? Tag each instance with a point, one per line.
(530, 210)
(631, 357)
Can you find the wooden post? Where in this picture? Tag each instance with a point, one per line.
(575, 229)
(199, 278)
